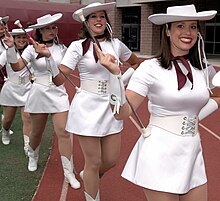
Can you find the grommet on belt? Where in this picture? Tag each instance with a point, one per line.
(102, 87)
(189, 125)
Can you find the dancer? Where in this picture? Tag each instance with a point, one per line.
(45, 98)
(15, 91)
(3, 26)
(90, 116)
(3, 46)
(169, 164)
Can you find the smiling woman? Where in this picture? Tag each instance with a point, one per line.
(169, 164)
(28, 11)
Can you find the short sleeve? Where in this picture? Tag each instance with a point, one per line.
(211, 73)
(72, 55)
(143, 78)
(3, 58)
(29, 53)
(124, 53)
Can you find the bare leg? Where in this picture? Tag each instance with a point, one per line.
(26, 122)
(9, 115)
(65, 148)
(26, 129)
(111, 145)
(91, 148)
(160, 196)
(64, 140)
(38, 122)
(198, 193)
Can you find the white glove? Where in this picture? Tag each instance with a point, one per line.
(11, 55)
(52, 66)
(117, 92)
(208, 109)
(127, 75)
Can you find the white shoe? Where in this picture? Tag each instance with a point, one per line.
(5, 137)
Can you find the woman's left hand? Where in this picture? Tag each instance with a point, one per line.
(107, 60)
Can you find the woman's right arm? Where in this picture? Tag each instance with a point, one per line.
(134, 99)
(16, 64)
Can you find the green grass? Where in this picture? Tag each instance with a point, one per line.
(16, 182)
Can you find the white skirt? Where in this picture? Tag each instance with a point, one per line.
(47, 99)
(90, 114)
(13, 94)
(166, 162)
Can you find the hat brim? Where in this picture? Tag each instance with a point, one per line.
(5, 19)
(160, 19)
(16, 32)
(88, 10)
(55, 18)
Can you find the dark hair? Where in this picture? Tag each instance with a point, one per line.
(85, 34)
(38, 37)
(164, 55)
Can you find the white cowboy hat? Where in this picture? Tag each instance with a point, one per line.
(46, 20)
(93, 7)
(5, 19)
(181, 13)
(15, 32)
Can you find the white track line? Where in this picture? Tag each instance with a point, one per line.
(209, 131)
(65, 186)
(64, 191)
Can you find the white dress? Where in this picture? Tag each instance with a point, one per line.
(165, 161)
(44, 96)
(90, 113)
(16, 89)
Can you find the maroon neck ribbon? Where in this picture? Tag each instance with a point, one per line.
(86, 44)
(181, 78)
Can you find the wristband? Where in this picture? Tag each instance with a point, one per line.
(11, 55)
(127, 75)
(208, 109)
(52, 66)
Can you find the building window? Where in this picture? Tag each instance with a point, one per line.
(131, 19)
(212, 39)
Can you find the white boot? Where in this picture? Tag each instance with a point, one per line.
(26, 144)
(68, 172)
(5, 136)
(33, 158)
(89, 198)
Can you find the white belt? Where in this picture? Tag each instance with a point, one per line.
(100, 87)
(19, 79)
(44, 80)
(179, 125)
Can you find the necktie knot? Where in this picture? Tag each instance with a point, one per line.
(181, 77)
(86, 44)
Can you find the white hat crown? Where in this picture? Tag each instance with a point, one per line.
(181, 13)
(180, 10)
(93, 7)
(44, 19)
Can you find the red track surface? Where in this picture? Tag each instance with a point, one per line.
(113, 186)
